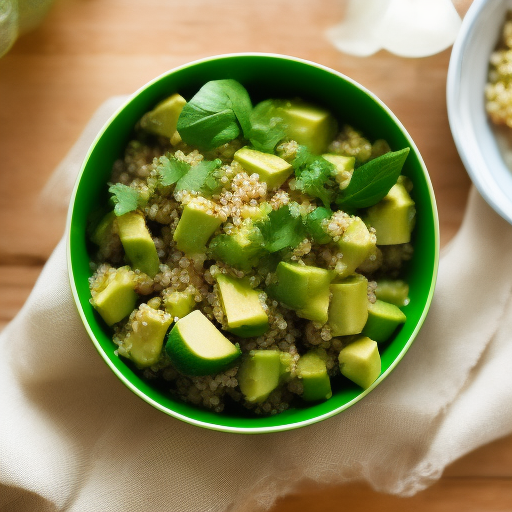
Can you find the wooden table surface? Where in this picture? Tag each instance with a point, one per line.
(88, 50)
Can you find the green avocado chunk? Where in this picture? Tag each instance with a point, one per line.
(344, 166)
(137, 243)
(242, 307)
(312, 370)
(383, 319)
(355, 244)
(348, 311)
(303, 288)
(394, 291)
(256, 213)
(241, 249)
(143, 345)
(196, 347)
(307, 124)
(117, 300)
(360, 361)
(163, 119)
(272, 170)
(258, 374)
(179, 304)
(393, 217)
(197, 224)
(104, 230)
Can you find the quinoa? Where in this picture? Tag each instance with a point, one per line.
(498, 90)
(241, 197)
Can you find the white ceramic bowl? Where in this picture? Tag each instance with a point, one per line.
(477, 145)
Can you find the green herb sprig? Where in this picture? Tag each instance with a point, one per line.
(372, 181)
(283, 228)
(314, 176)
(200, 178)
(125, 198)
(216, 114)
(171, 170)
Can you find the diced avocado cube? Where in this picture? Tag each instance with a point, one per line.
(242, 307)
(312, 370)
(117, 300)
(179, 304)
(196, 347)
(241, 249)
(297, 283)
(272, 170)
(317, 307)
(344, 168)
(303, 288)
(348, 311)
(394, 291)
(144, 343)
(197, 224)
(313, 223)
(308, 124)
(360, 361)
(103, 231)
(383, 319)
(137, 243)
(288, 368)
(255, 213)
(355, 244)
(163, 119)
(258, 374)
(393, 217)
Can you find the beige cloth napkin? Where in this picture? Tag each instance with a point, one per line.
(73, 438)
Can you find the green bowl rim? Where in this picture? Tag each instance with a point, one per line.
(267, 429)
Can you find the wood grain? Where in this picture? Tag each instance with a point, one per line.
(88, 50)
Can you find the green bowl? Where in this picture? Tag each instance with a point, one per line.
(265, 76)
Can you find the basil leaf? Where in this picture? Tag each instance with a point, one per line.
(267, 128)
(240, 103)
(372, 181)
(207, 130)
(215, 114)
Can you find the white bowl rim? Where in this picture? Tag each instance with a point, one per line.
(481, 175)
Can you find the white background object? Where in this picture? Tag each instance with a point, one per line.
(408, 28)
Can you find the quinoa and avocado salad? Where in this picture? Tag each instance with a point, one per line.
(498, 89)
(249, 255)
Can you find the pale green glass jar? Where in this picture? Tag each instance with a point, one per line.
(18, 17)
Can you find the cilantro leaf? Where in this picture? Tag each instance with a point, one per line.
(126, 199)
(313, 222)
(215, 114)
(267, 128)
(372, 181)
(171, 170)
(201, 178)
(282, 228)
(302, 157)
(314, 176)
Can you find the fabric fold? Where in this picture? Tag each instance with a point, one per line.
(74, 438)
